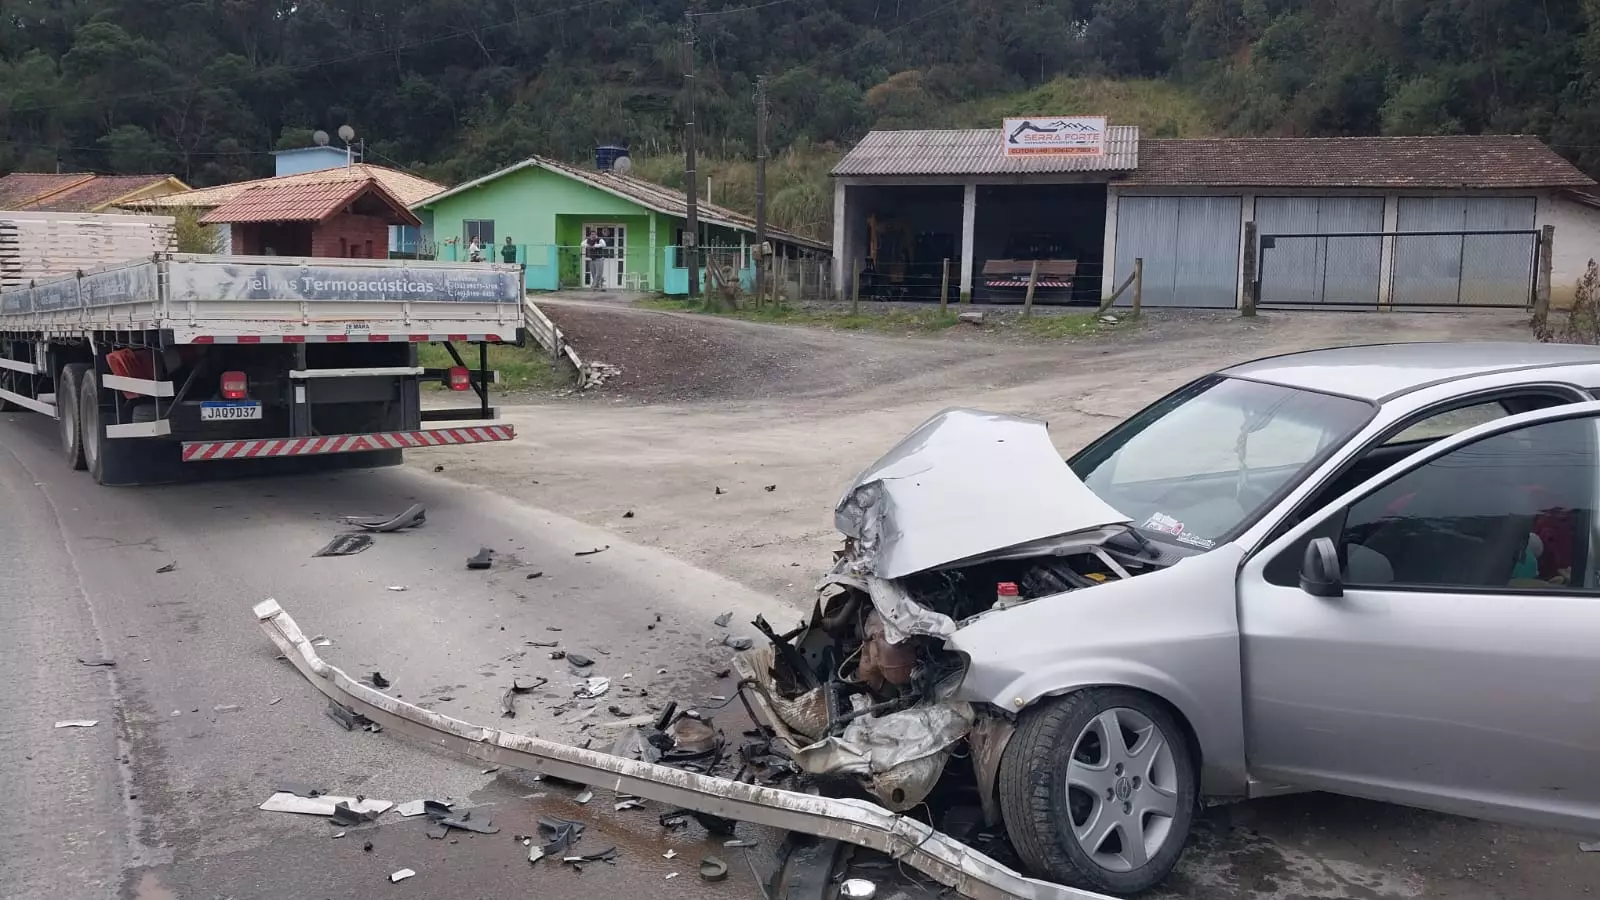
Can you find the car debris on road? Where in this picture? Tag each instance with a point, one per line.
(324, 805)
(412, 517)
(483, 559)
(341, 545)
(97, 662)
(77, 723)
(169, 567)
(401, 875)
(593, 552)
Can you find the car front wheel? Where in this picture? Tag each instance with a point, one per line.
(1097, 789)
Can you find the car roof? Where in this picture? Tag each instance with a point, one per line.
(1378, 372)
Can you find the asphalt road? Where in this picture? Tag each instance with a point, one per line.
(198, 720)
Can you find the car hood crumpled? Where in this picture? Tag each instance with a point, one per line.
(964, 484)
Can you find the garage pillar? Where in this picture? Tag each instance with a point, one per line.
(843, 266)
(969, 216)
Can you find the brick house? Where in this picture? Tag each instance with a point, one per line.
(338, 219)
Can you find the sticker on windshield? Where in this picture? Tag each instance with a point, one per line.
(1195, 540)
(1162, 523)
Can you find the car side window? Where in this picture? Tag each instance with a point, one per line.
(1451, 421)
(1512, 511)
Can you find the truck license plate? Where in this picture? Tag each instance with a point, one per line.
(224, 411)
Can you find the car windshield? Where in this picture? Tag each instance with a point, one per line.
(1204, 462)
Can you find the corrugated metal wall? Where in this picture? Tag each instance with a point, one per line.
(1469, 270)
(1190, 247)
(1336, 270)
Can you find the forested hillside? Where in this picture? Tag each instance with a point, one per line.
(454, 89)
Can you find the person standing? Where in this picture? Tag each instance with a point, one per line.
(508, 252)
(594, 251)
(475, 250)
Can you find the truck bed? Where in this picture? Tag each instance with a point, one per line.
(273, 299)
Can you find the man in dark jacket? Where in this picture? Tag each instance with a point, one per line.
(508, 252)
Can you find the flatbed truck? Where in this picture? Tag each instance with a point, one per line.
(192, 359)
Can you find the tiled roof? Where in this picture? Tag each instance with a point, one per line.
(301, 202)
(976, 152)
(97, 192)
(18, 189)
(648, 194)
(1455, 161)
(408, 189)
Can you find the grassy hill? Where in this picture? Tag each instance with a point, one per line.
(800, 198)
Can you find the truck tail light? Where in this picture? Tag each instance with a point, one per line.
(459, 379)
(235, 386)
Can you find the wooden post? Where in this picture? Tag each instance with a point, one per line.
(855, 294)
(1541, 286)
(1033, 279)
(1138, 284)
(1252, 277)
(800, 292)
(944, 289)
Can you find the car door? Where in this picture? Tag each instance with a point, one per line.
(1459, 666)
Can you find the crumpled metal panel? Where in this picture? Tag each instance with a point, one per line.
(963, 484)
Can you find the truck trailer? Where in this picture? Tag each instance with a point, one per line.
(189, 359)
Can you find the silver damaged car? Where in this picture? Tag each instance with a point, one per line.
(1367, 570)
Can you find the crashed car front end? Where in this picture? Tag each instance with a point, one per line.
(970, 515)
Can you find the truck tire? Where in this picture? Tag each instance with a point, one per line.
(109, 461)
(68, 383)
(1074, 798)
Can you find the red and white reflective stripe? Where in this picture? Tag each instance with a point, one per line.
(207, 451)
(355, 338)
(1025, 284)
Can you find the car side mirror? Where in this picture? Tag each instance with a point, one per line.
(1319, 572)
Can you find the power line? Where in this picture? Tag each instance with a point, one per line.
(739, 9)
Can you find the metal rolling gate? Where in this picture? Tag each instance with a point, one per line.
(1446, 253)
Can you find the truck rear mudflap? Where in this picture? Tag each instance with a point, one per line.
(207, 451)
(946, 860)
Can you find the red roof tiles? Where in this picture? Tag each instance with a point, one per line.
(303, 202)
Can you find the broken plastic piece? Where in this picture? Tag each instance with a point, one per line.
(670, 854)
(594, 688)
(169, 567)
(343, 545)
(285, 802)
(227, 708)
(737, 844)
(94, 661)
(857, 889)
(770, 488)
(411, 518)
(672, 875)
(723, 620)
(345, 815)
(483, 559)
(77, 723)
(401, 875)
(576, 659)
(584, 797)
(737, 643)
(508, 699)
(465, 822)
(629, 804)
(397, 588)
(559, 834)
(377, 680)
(593, 552)
(713, 869)
(299, 789)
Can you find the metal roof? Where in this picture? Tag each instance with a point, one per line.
(976, 152)
(648, 194)
(304, 203)
(73, 193)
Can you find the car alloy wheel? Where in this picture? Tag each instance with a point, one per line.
(1122, 789)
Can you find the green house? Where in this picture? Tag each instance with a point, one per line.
(546, 208)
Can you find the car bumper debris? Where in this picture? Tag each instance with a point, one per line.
(857, 822)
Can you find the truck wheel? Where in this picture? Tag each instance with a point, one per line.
(1098, 790)
(67, 385)
(8, 381)
(110, 462)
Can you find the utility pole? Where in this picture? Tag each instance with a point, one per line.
(761, 187)
(691, 237)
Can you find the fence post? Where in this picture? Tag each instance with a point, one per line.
(1027, 300)
(1541, 286)
(1252, 279)
(855, 294)
(944, 289)
(800, 291)
(1138, 284)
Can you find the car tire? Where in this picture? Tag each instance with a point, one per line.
(68, 384)
(1074, 804)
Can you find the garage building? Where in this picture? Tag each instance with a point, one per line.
(1451, 221)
